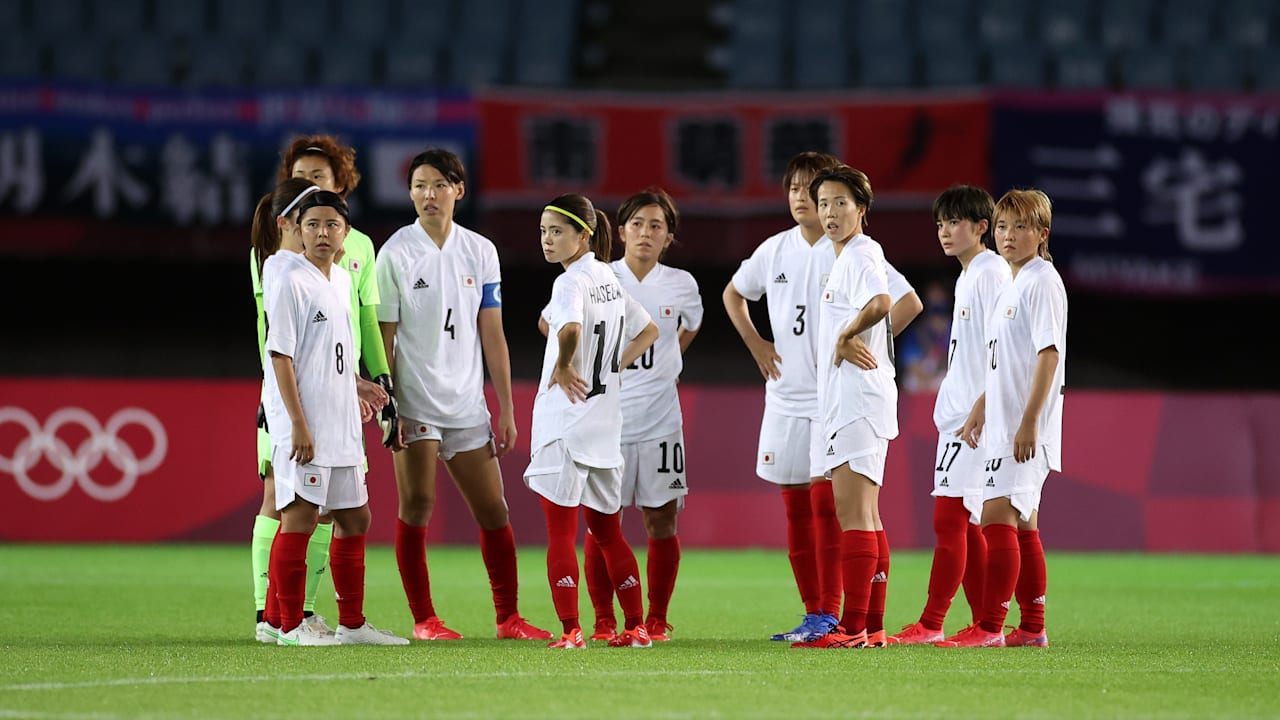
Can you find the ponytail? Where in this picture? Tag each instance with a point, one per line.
(265, 232)
(602, 238)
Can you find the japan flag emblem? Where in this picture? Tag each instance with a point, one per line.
(311, 480)
(667, 311)
(355, 266)
(766, 458)
(1010, 312)
(468, 281)
(964, 313)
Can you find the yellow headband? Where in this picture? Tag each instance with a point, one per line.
(571, 216)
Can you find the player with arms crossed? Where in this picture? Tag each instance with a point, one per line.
(652, 426)
(1018, 421)
(315, 409)
(792, 268)
(963, 217)
(441, 308)
(857, 393)
(594, 330)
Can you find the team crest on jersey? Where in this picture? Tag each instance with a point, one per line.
(468, 281)
(964, 313)
(1010, 311)
(667, 311)
(312, 480)
(766, 458)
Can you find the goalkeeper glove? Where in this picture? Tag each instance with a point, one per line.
(390, 420)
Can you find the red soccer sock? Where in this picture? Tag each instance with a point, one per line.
(859, 553)
(346, 563)
(562, 561)
(950, 521)
(879, 584)
(1032, 581)
(801, 549)
(411, 556)
(288, 575)
(271, 612)
(498, 549)
(975, 569)
(663, 566)
(827, 532)
(1003, 563)
(599, 586)
(624, 571)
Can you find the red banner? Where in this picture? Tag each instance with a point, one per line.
(117, 460)
(722, 152)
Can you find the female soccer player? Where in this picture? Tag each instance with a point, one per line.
(963, 216)
(652, 427)
(792, 268)
(315, 410)
(857, 392)
(594, 329)
(274, 229)
(441, 307)
(322, 161)
(1018, 421)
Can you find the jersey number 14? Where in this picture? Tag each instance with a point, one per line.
(597, 382)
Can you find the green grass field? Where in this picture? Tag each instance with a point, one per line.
(166, 631)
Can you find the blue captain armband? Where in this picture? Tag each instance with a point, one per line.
(491, 296)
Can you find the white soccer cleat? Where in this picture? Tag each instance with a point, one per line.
(264, 633)
(306, 636)
(367, 634)
(317, 622)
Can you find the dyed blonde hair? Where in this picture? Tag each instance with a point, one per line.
(1031, 206)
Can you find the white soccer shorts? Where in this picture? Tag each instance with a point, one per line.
(857, 445)
(556, 476)
(790, 451)
(653, 472)
(329, 488)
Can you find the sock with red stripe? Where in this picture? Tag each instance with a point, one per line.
(827, 533)
(663, 566)
(624, 571)
(346, 562)
(411, 557)
(975, 569)
(562, 561)
(289, 576)
(1032, 581)
(801, 550)
(879, 584)
(1003, 562)
(859, 553)
(599, 586)
(950, 527)
(498, 549)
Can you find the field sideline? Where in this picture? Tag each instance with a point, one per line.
(104, 632)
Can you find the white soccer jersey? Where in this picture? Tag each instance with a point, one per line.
(976, 291)
(435, 294)
(309, 320)
(849, 393)
(587, 293)
(650, 403)
(791, 273)
(1030, 315)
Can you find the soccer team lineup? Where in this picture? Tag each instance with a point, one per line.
(403, 337)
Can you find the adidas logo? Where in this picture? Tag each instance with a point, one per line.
(676, 485)
(782, 277)
(629, 583)
(319, 317)
(831, 450)
(880, 577)
(566, 581)
(1038, 601)
(944, 483)
(991, 482)
(421, 285)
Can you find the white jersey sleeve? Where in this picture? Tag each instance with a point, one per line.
(1030, 316)
(975, 297)
(899, 287)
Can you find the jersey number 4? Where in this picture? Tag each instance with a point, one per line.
(597, 383)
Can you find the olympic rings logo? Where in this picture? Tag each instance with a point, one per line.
(103, 442)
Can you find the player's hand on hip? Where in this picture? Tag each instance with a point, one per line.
(855, 350)
(574, 387)
(767, 359)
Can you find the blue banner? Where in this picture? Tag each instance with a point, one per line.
(1151, 194)
(157, 159)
